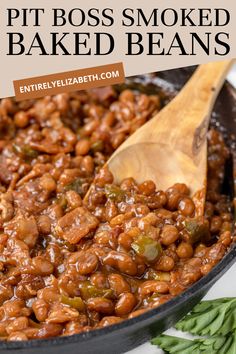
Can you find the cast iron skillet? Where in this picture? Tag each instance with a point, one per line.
(124, 336)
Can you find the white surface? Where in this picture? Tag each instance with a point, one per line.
(225, 286)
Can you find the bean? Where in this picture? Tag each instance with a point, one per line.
(44, 224)
(46, 331)
(13, 308)
(179, 188)
(125, 304)
(147, 188)
(85, 262)
(108, 119)
(161, 300)
(40, 308)
(111, 210)
(82, 147)
(73, 327)
(184, 250)
(169, 235)
(96, 198)
(206, 268)
(117, 220)
(165, 263)
(125, 240)
(173, 201)
(128, 184)
(68, 285)
(149, 219)
(27, 231)
(102, 237)
(216, 252)
(200, 250)
(121, 261)
(118, 284)
(49, 295)
(134, 232)
(152, 286)
(194, 262)
(60, 314)
(47, 183)
(17, 336)
(109, 320)
(21, 119)
(164, 214)
(6, 106)
(99, 251)
(54, 254)
(117, 140)
(104, 177)
(42, 266)
(186, 206)
(19, 324)
(141, 266)
(88, 128)
(226, 238)
(137, 313)
(73, 199)
(99, 280)
(162, 198)
(101, 305)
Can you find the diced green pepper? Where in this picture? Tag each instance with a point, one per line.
(29, 152)
(153, 297)
(152, 274)
(75, 302)
(62, 201)
(87, 291)
(147, 248)
(76, 185)
(80, 132)
(25, 151)
(114, 193)
(17, 149)
(197, 229)
(97, 146)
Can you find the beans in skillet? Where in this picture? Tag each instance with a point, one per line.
(68, 267)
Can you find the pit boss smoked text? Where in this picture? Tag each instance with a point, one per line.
(82, 39)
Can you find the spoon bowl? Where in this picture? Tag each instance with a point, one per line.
(172, 146)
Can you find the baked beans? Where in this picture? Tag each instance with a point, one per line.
(68, 266)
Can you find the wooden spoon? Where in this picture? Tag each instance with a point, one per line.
(172, 146)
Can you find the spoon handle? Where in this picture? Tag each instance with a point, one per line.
(192, 108)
